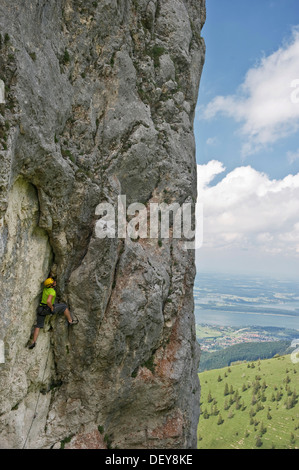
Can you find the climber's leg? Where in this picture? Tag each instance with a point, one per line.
(71, 321)
(39, 324)
(35, 334)
(62, 308)
(67, 313)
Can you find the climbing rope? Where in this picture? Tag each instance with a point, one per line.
(34, 415)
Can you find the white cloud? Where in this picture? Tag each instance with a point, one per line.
(211, 141)
(293, 156)
(264, 103)
(207, 173)
(247, 210)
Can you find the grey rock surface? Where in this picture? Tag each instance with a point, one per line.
(99, 102)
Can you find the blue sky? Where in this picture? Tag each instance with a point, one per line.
(247, 137)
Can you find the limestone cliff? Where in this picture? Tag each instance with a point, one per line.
(99, 102)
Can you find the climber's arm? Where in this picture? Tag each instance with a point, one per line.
(49, 302)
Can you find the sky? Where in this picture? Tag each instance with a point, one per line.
(247, 138)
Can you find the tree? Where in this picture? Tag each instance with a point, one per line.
(291, 401)
(264, 385)
(243, 406)
(263, 429)
(253, 400)
(226, 405)
(220, 420)
(238, 404)
(278, 395)
(256, 386)
(258, 442)
(259, 406)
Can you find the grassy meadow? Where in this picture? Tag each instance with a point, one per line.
(252, 405)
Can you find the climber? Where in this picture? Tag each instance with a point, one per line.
(49, 307)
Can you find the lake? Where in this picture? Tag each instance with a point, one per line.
(229, 300)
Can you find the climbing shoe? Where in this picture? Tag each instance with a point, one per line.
(32, 346)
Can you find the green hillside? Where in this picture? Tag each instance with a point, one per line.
(242, 352)
(250, 406)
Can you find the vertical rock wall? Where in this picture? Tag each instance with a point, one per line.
(99, 102)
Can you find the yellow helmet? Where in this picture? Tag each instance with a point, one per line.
(49, 282)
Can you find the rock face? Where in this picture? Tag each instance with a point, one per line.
(99, 102)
